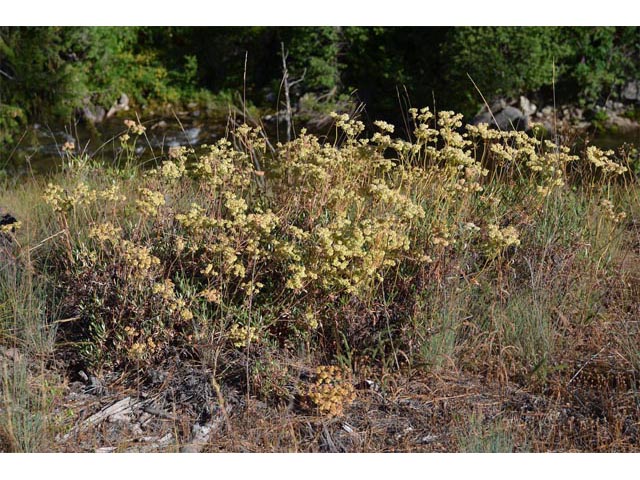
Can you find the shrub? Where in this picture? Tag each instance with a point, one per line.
(174, 251)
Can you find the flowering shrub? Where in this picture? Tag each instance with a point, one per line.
(151, 261)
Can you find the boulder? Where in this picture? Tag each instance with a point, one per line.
(93, 114)
(483, 117)
(506, 118)
(511, 118)
(621, 124)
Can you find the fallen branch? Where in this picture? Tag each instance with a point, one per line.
(118, 408)
(202, 433)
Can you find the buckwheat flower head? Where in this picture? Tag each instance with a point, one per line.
(11, 227)
(134, 127)
(150, 201)
(106, 232)
(602, 160)
(384, 126)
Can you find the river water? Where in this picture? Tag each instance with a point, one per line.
(40, 149)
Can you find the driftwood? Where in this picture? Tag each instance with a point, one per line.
(113, 412)
(200, 434)
(158, 413)
(128, 408)
(150, 444)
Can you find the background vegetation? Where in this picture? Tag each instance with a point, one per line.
(50, 72)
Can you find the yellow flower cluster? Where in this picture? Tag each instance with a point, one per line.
(106, 232)
(224, 166)
(422, 116)
(11, 227)
(142, 350)
(171, 170)
(483, 132)
(240, 336)
(166, 290)
(137, 348)
(178, 305)
(111, 194)
(178, 153)
(602, 160)
(149, 201)
(310, 319)
(196, 221)
(384, 126)
(61, 200)
(332, 390)
(363, 210)
(54, 195)
(442, 236)
(352, 128)
(211, 295)
(134, 127)
(347, 256)
(138, 258)
(251, 138)
(393, 200)
(298, 277)
(501, 238)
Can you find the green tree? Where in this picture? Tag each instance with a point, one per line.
(502, 61)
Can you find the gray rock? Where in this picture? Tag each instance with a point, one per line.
(503, 116)
(511, 118)
(483, 117)
(631, 91)
(192, 134)
(527, 107)
(548, 110)
(622, 124)
(498, 105)
(508, 118)
(614, 106)
(93, 113)
(161, 125)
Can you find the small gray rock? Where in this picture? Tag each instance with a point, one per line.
(93, 113)
(527, 107)
(548, 110)
(631, 91)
